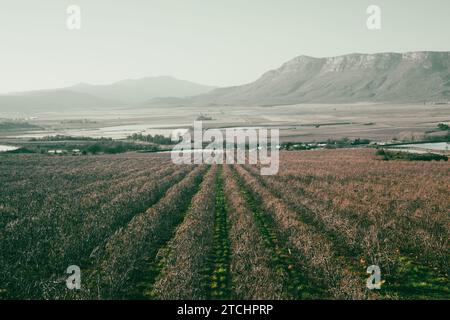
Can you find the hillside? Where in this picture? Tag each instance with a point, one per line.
(383, 77)
(126, 93)
(136, 91)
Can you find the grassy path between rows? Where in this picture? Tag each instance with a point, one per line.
(220, 285)
(127, 266)
(297, 286)
(185, 262)
(412, 280)
(152, 264)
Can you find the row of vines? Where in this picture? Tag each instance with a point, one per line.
(141, 227)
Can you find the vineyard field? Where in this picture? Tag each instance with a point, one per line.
(141, 227)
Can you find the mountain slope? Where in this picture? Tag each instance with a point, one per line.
(124, 93)
(383, 77)
(140, 90)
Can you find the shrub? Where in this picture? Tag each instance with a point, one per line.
(410, 156)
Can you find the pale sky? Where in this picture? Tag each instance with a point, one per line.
(228, 42)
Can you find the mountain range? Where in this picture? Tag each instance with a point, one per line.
(83, 96)
(383, 77)
(412, 77)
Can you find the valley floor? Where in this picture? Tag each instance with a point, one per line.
(298, 123)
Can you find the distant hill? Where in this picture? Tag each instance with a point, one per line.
(140, 90)
(83, 96)
(52, 101)
(382, 77)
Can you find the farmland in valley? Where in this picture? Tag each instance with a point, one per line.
(141, 227)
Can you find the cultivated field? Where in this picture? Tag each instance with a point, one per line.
(141, 227)
(304, 122)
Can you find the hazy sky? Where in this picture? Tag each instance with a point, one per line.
(214, 42)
